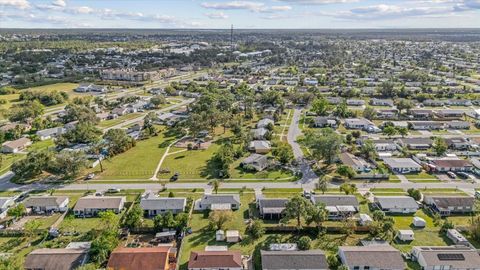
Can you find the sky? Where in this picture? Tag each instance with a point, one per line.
(304, 14)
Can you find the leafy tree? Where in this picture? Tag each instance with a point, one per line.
(68, 164)
(414, 193)
(317, 214)
(103, 245)
(168, 220)
(84, 132)
(304, 243)
(31, 228)
(403, 131)
(320, 106)
(283, 153)
(296, 208)
(322, 184)
(109, 220)
(440, 146)
(345, 171)
(223, 158)
(255, 229)
(389, 131)
(368, 150)
(133, 218)
(387, 89)
(342, 110)
(348, 188)
(217, 219)
(81, 113)
(33, 165)
(117, 141)
(324, 145)
(26, 111)
(181, 221)
(158, 100)
(446, 225)
(404, 104)
(17, 211)
(369, 113)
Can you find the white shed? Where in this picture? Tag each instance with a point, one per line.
(233, 236)
(419, 222)
(220, 235)
(365, 220)
(406, 235)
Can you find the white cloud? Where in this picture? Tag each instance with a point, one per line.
(244, 5)
(217, 15)
(20, 4)
(318, 2)
(59, 3)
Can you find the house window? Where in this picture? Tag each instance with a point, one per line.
(356, 268)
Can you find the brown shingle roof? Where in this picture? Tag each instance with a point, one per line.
(105, 202)
(151, 258)
(215, 259)
(376, 256)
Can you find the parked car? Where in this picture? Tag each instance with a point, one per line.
(174, 177)
(90, 176)
(452, 175)
(463, 175)
(113, 190)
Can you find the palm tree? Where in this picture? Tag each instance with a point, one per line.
(368, 150)
(215, 185)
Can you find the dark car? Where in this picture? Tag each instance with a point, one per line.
(174, 177)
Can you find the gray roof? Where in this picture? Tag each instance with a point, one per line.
(451, 201)
(154, 203)
(220, 199)
(272, 205)
(466, 257)
(56, 259)
(416, 141)
(44, 201)
(104, 202)
(336, 200)
(308, 259)
(255, 158)
(396, 202)
(401, 163)
(375, 256)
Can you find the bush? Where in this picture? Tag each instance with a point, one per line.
(414, 193)
(255, 229)
(304, 243)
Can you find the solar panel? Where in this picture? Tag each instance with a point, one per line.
(451, 257)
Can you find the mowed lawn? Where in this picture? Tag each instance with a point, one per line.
(119, 120)
(139, 162)
(202, 237)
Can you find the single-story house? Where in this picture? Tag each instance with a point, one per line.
(49, 133)
(358, 164)
(120, 111)
(449, 114)
(446, 205)
(451, 165)
(383, 145)
(358, 123)
(426, 125)
(259, 146)
(259, 133)
(321, 121)
(91, 205)
(16, 146)
(215, 260)
(153, 205)
(265, 122)
(47, 204)
(421, 113)
(371, 257)
(338, 206)
(455, 124)
(446, 257)
(56, 259)
(416, 143)
(386, 113)
(458, 143)
(402, 165)
(256, 161)
(355, 102)
(219, 202)
(271, 208)
(144, 258)
(396, 204)
(433, 102)
(381, 102)
(294, 259)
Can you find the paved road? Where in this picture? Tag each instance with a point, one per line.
(293, 133)
(134, 120)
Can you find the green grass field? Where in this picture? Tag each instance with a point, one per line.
(119, 120)
(139, 162)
